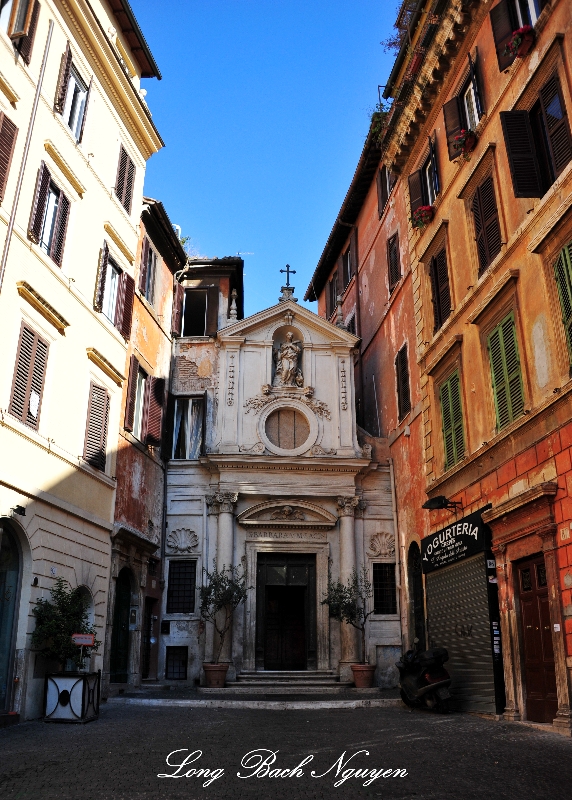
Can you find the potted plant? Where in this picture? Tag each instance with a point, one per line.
(348, 603)
(521, 42)
(72, 694)
(223, 591)
(422, 216)
(466, 142)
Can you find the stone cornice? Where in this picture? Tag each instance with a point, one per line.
(542, 490)
(42, 306)
(333, 464)
(87, 30)
(64, 167)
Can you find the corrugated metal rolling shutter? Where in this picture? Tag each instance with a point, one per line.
(458, 614)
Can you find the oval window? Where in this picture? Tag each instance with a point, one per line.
(287, 428)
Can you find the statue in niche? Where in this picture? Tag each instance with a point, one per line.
(286, 359)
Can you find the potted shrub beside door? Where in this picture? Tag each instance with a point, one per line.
(72, 694)
(223, 591)
(348, 604)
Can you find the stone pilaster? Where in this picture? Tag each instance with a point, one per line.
(348, 634)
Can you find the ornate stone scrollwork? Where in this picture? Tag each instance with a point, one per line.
(227, 501)
(347, 506)
(256, 449)
(318, 450)
(382, 545)
(182, 540)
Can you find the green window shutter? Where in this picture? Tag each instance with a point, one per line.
(506, 375)
(452, 418)
(563, 274)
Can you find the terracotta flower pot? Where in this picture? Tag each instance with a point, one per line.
(470, 143)
(526, 45)
(363, 675)
(215, 675)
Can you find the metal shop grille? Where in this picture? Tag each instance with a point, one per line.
(181, 589)
(176, 664)
(384, 596)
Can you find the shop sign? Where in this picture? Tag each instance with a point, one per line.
(458, 540)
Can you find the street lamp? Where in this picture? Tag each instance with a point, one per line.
(435, 503)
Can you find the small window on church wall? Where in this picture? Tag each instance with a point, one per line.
(188, 433)
(195, 312)
(384, 594)
(287, 428)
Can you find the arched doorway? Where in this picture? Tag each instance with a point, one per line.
(10, 572)
(119, 657)
(416, 604)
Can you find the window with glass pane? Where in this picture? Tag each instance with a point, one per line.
(112, 278)
(470, 107)
(384, 589)
(50, 215)
(74, 107)
(188, 431)
(149, 289)
(182, 586)
(528, 11)
(139, 405)
(429, 182)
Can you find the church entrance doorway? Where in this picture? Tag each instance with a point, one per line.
(286, 611)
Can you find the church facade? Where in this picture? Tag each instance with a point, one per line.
(266, 474)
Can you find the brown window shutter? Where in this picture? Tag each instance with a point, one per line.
(328, 299)
(155, 414)
(394, 266)
(39, 206)
(127, 310)
(487, 226)
(167, 437)
(354, 252)
(340, 269)
(101, 276)
(503, 24)
(85, 108)
(177, 315)
(63, 80)
(26, 43)
(60, 229)
(402, 378)
(453, 124)
(554, 112)
(382, 195)
(129, 182)
(212, 311)
(416, 190)
(441, 289)
(8, 133)
(29, 374)
(521, 154)
(121, 175)
(119, 302)
(131, 394)
(95, 445)
(143, 266)
(145, 409)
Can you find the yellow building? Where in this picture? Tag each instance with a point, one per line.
(75, 135)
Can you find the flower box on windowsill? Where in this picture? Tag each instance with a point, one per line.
(521, 42)
(466, 142)
(422, 216)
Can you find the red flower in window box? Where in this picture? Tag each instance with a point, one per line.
(466, 141)
(422, 216)
(521, 42)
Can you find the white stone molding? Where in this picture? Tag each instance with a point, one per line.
(182, 540)
(230, 391)
(273, 514)
(343, 385)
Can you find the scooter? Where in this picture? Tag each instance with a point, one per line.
(424, 681)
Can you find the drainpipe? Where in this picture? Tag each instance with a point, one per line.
(399, 549)
(25, 155)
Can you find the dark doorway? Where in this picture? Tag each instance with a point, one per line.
(286, 611)
(9, 591)
(416, 605)
(195, 312)
(285, 629)
(540, 677)
(119, 658)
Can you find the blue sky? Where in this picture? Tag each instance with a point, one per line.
(264, 107)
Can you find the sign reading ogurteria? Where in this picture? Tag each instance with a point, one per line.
(459, 540)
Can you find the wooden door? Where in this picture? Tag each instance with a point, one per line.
(285, 629)
(540, 678)
(119, 658)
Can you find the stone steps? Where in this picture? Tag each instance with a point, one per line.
(294, 678)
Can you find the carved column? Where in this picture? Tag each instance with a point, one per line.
(213, 509)
(225, 549)
(348, 634)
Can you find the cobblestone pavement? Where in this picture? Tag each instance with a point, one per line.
(457, 757)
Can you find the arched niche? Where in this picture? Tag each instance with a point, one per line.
(288, 340)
